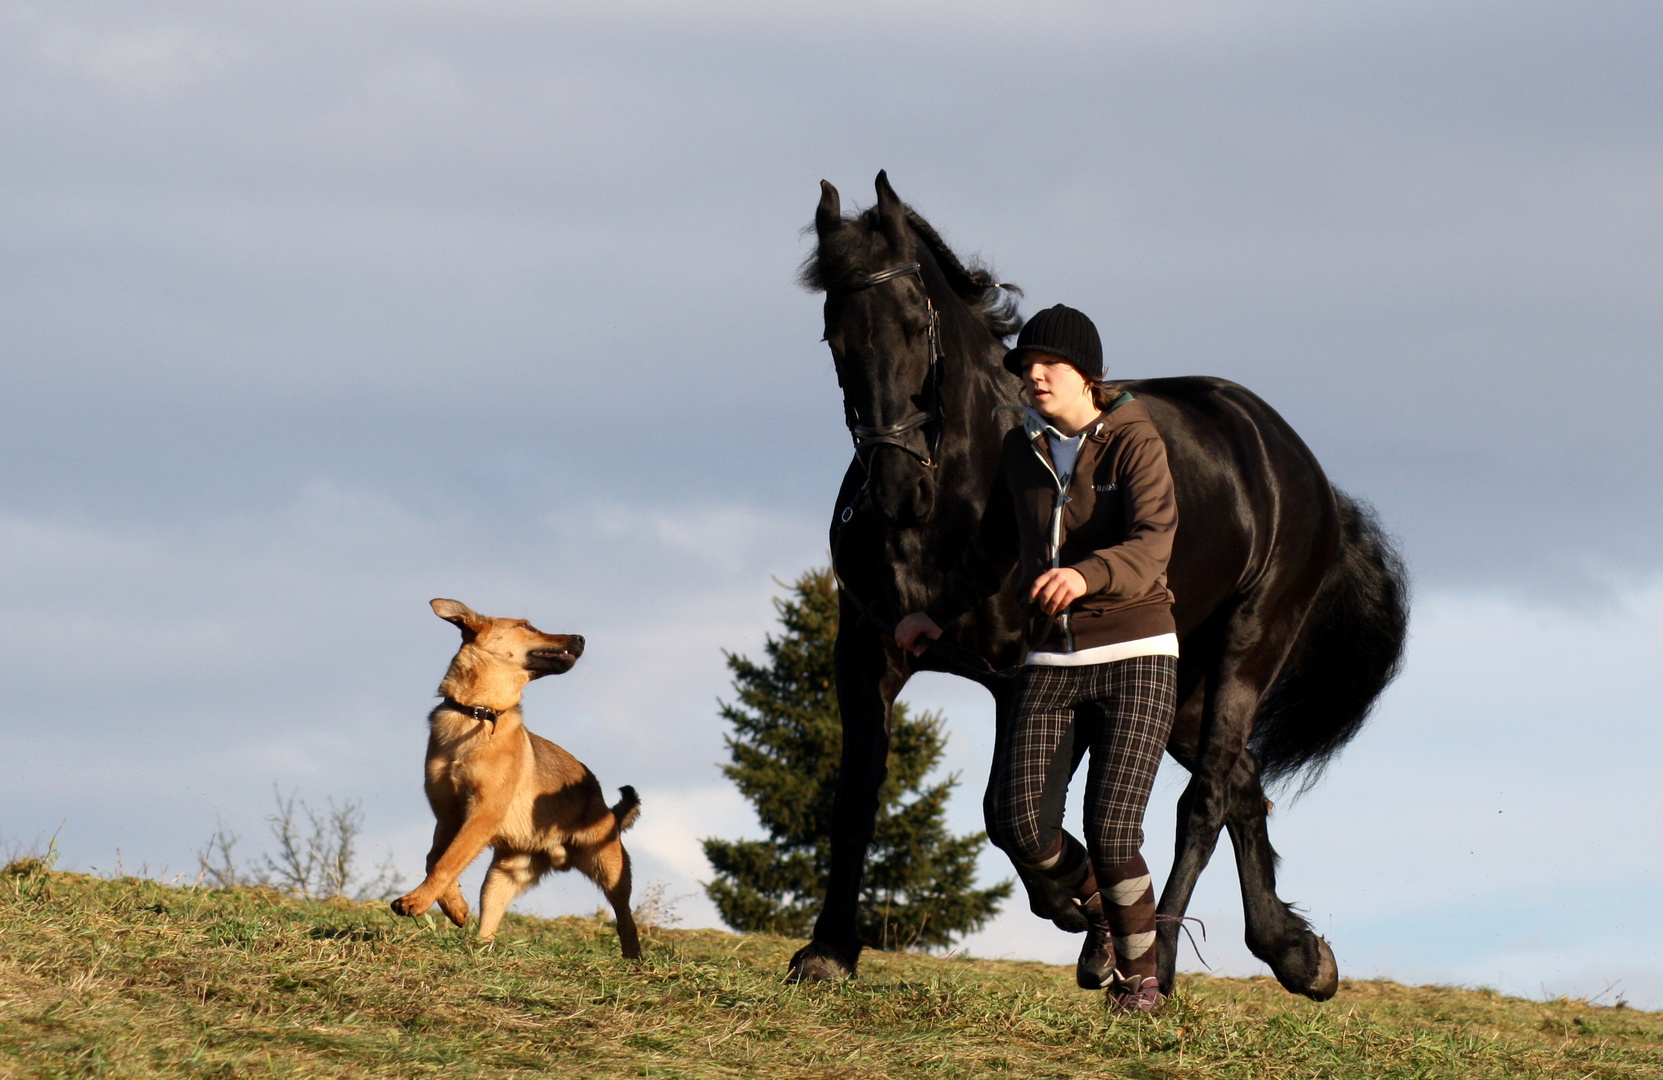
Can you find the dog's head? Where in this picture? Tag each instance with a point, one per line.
(495, 649)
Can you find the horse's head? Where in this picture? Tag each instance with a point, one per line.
(891, 303)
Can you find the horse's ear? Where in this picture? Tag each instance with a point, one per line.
(828, 216)
(455, 611)
(892, 213)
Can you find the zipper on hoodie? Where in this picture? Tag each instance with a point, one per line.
(1034, 429)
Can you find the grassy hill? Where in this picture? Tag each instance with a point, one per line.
(131, 978)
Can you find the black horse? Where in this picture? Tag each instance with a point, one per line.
(1291, 603)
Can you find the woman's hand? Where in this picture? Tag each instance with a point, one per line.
(915, 626)
(1055, 589)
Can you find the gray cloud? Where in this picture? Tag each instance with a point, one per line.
(279, 242)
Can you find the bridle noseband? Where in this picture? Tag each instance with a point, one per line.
(868, 437)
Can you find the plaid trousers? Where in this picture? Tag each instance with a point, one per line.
(1124, 711)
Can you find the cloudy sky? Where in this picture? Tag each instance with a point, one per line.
(311, 312)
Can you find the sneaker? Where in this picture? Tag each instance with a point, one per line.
(1131, 994)
(1097, 953)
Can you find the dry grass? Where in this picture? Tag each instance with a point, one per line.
(131, 978)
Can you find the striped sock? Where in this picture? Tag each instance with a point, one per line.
(1129, 903)
(1068, 864)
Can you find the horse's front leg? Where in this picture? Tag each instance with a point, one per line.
(868, 680)
(1225, 723)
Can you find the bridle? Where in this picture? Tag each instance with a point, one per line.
(966, 662)
(868, 437)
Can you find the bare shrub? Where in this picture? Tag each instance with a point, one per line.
(217, 859)
(656, 908)
(316, 853)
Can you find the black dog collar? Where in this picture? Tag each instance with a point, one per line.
(478, 712)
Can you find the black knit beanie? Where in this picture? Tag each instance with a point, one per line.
(1060, 331)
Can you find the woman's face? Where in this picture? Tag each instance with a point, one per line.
(1057, 389)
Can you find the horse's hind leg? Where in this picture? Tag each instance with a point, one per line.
(1202, 809)
(1250, 653)
(1302, 961)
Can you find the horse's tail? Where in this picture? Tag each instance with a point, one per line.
(1350, 647)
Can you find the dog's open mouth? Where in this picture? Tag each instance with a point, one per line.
(552, 661)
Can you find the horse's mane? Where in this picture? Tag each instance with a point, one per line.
(846, 253)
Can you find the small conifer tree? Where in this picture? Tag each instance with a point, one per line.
(785, 749)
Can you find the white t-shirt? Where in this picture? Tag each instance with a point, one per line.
(1159, 645)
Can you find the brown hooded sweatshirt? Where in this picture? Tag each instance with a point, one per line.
(1115, 526)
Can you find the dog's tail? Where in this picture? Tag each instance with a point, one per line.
(628, 808)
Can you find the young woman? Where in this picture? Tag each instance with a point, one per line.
(1084, 509)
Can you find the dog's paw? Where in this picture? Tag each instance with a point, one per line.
(407, 906)
(455, 909)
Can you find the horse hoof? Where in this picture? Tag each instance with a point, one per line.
(1306, 967)
(1316, 976)
(1327, 981)
(811, 965)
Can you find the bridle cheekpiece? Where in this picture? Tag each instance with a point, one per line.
(868, 437)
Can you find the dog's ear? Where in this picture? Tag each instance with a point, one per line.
(455, 611)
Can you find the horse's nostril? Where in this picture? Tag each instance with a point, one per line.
(577, 640)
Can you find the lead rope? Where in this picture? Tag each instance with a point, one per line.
(1181, 920)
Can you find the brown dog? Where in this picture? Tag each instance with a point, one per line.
(492, 783)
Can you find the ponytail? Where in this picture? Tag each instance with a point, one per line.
(1102, 393)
